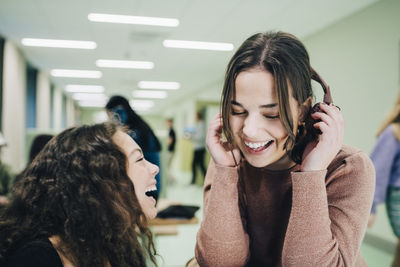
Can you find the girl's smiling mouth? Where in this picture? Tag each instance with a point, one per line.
(256, 147)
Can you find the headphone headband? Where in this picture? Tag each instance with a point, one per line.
(327, 92)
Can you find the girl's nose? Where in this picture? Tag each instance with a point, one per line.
(154, 169)
(250, 126)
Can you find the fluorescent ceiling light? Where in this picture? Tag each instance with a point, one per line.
(58, 43)
(124, 64)
(141, 104)
(159, 85)
(149, 94)
(198, 45)
(89, 97)
(93, 74)
(111, 18)
(93, 104)
(81, 88)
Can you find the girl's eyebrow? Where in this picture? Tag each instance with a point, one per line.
(233, 102)
(272, 105)
(269, 105)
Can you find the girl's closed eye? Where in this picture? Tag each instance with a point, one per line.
(271, 116)
(140, 159)
(238, 112)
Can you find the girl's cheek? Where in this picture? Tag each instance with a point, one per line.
(279, 130)
(235, 124)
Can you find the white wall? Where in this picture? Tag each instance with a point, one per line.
(13, 116)
(43, 102)
(70, 112)
(57, 109)
(359, 58)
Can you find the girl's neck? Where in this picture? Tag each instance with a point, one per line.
(55, 240)
(284, 163)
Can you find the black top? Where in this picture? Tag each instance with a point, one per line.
(38, 253)
(171, 134)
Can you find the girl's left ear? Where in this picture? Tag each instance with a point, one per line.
(304, 109)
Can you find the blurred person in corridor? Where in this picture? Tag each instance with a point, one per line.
(199, 146)
(171, 143)
(386, 159)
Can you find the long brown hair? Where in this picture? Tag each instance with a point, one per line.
(77, 188)
(392, 118)
(286, 58)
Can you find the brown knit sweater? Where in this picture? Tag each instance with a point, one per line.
(287, 218)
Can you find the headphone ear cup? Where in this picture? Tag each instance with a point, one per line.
(310, 121)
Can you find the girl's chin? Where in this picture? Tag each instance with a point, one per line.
(257, 163)
(151, 214)
(257, 160)
(272, 162)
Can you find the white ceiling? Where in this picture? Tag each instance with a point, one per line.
(229, 21)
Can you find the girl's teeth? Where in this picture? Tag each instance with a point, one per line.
(255, 145)
(151, 189)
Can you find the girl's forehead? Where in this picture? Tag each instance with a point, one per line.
(255, 89)
(256, 97)
(124, 140)
(255, 79)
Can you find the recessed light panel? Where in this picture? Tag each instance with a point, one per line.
(81, 88)
(141, 105)
(124, 64)
(91, 74)
(198, 45)
(159, 85)
(149, 94)
(124, 19)
(58, 43)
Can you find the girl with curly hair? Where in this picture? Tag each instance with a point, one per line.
(83, 201)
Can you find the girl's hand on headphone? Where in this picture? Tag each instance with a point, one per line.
(320, 153)
(219, 150)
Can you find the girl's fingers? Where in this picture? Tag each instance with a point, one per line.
(322, 126)
(337, 114)
(333, 112)
(215, 129)
(323, 117)
(330, 109)
(220, 151)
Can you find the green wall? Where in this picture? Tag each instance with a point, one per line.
(359, 58)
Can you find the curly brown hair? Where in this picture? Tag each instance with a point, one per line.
(77, 188)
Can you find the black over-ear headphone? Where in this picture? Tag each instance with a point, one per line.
(309, 121)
